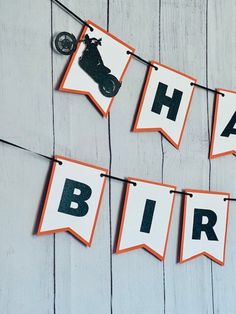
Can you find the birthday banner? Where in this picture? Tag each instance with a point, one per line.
(74, 197)
(97, 68)
(98, 65)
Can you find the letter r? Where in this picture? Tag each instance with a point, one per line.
(199, 226)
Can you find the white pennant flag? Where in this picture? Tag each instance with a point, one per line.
(224, 127)
(146, 217)
(73, 199)
(97, 67)
(165, 103)
(204, 225)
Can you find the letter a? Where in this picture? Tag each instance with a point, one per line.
(230, 127)
(223, 140)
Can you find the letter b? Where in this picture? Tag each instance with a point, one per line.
(69, 197)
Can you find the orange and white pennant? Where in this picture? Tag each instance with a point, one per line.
(146, 217)
(204, 225)
(165, 102)
(73, 199)
(97, 67)
(224, 127)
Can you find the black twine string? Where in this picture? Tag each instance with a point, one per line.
(229, 199)
(119, 179)
(73, 14)
(207, 88)
(180, 192)
(129, 52)
(28, 150)
(142, 60)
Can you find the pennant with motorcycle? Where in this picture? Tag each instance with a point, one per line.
(204, 225)
(224, 127)
(165, 102)
(97, 67)
(146, 217)
(73, 199)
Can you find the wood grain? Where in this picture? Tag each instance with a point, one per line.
(183, 46)
(137, 275)
(56, 274)
(82, 278)
(26, 262)
(221, 71)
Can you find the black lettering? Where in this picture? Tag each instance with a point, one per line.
(68, 196)
(229, 129)
(162, 100)
(148, 216)
(199, 227)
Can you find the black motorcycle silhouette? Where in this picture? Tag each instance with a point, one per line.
(91, 62)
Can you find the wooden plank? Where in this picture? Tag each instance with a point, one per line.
(183, 46)
(82, 274)
(192, 37)
(137, 276)
(221, 73)
(26, 263)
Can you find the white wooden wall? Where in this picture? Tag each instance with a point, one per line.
(56, 274)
